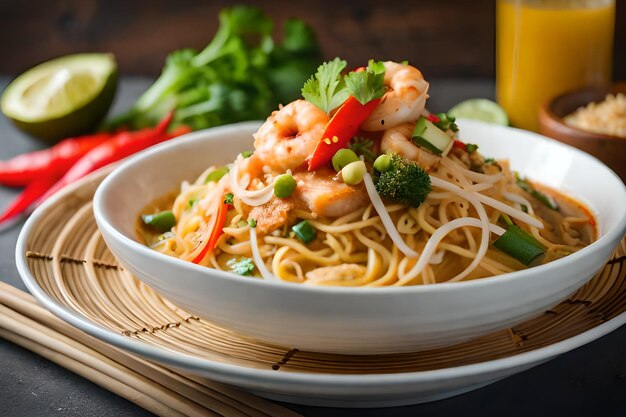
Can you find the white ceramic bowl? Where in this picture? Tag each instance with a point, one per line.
(359, 320)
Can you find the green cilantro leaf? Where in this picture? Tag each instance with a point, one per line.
(369, 84)
(326, 89)
(229, 198)
(241, 266)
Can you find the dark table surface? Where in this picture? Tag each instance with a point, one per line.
(589, 381)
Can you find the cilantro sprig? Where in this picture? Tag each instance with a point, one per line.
(328, 88)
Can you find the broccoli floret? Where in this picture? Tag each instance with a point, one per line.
(404, 182)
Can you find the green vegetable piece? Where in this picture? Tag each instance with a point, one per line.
(382, 163)
(404, 182)
(241, 266)
(343, 157)
(284, 186)
(191, 202)
(228, 199)
(242, 74)
(252, 223)
(367, 85)
(429, 136)
(161, 222)
(520, 245)
(247, 154)
(304, 231)
(363, 147)
(471, 148)
(327, 89)
(353, 173)
(446, 122)
(216, 175)
(544, 199)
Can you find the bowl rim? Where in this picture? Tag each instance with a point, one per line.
(573, 131)
(613, 234)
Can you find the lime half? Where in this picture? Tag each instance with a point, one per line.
(64, 97)
(480, 109)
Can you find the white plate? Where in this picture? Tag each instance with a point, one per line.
(379, 390)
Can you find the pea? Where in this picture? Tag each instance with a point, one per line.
(382, 163)
(353, 172)
(343, 157)
(284, 186)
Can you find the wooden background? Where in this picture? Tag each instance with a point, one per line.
(447, 38)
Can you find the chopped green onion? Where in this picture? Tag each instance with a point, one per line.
(304, 231)
(520, 245)
(446, 122)
(490, 160)
(382, 163)
(247, 154)
(216, 175)
(161, 222)
(544, 199)
(471, 147)
(343, 157)
(363, 146)
(241, 266)
(228, 199)
(191, 202)
(353, 173)
(252, 223)
(284, 185)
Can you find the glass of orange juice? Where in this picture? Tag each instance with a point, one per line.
(547, 47)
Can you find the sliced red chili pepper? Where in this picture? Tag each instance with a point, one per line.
(214, 234)
(340, 129)
(460, 145)
(23, 169)
(119, 147)
(433, 118)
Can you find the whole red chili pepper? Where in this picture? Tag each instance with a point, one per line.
(23, 169)
(29, 195)
(119, 147)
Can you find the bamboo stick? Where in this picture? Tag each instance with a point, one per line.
(20, 311)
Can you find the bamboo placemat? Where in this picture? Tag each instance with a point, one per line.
(71, 262)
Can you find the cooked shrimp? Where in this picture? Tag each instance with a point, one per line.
(398, 140)
(290, 135)
(323, 194)
(404, 100)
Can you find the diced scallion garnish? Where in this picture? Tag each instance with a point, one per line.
(161, 222)
(216, 175)
(544, 199)
(430, 137)
(304, 231)
(520, 245)
(228, 199)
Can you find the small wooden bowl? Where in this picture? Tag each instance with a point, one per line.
(609, 149)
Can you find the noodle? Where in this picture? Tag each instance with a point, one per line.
(377, 241)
